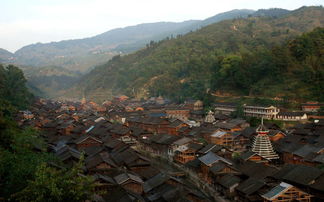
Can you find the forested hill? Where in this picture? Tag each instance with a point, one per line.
(252, 56)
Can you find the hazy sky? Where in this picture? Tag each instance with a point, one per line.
(23, 22)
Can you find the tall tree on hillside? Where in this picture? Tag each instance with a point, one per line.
(13, 86)
(51, 184)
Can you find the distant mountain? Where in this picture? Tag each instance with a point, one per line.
(5, 56)
(272, 12)
(233, 14)
(83, 54)
(243, 56)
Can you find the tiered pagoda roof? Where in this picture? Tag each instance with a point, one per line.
(262, 144)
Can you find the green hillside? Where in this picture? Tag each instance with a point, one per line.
(241, 56)
(49, 81)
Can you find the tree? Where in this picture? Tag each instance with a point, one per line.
(239, 112)
(18, 159)
(51, 184)
(13, 87)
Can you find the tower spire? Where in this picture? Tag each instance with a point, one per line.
(261, 120)
(262, 144)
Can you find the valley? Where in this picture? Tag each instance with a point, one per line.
(227, 108)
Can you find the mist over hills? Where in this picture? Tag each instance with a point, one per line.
(83, 54)
(5, 56)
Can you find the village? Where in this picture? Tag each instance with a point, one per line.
(155, 150)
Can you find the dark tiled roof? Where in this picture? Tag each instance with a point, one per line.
(319, 184)
(147, 172)
(275, 132)
(305, 150)
(227, 104)
(237, 121)
(302, 131)
(299, 174)
(90, 151)
(319, 158)
(97, 159)
(155, 181)
(84, 137)
(221, 117)
(246, 155)
(210, 158)
(217, 167)
(208, 148)
(193, 164)
(195, 146)
(104, 178)
(227, 126)
(176, 123)
(253, 169)
(250, 186)
(248, 132)
(122, 178)
(124, 157)
(164, 139)
(117, 194)
(67, 152)
(229, 180)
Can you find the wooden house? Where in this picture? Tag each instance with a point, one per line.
(130, 182)
(250, 189)
(87, 141)
(130, 159)
(286, 192)
(207, 161)
(228, 127)
(187, 154)
(154, 182)
(180, 144)
(100, 163)
(276, 135)
(221, 138)
(240, 142)
(305, 155)
(184, 155)
(178, 113)
(254, 157)
(66, 127)
(68, 155)
(159, 144)
(227, 184)
(175, 126)
(103, 183)
(301, 176)
(219, 169)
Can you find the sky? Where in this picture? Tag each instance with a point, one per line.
(24, 22)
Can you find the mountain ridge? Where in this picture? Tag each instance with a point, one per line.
(83, 54)
(174, 63)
